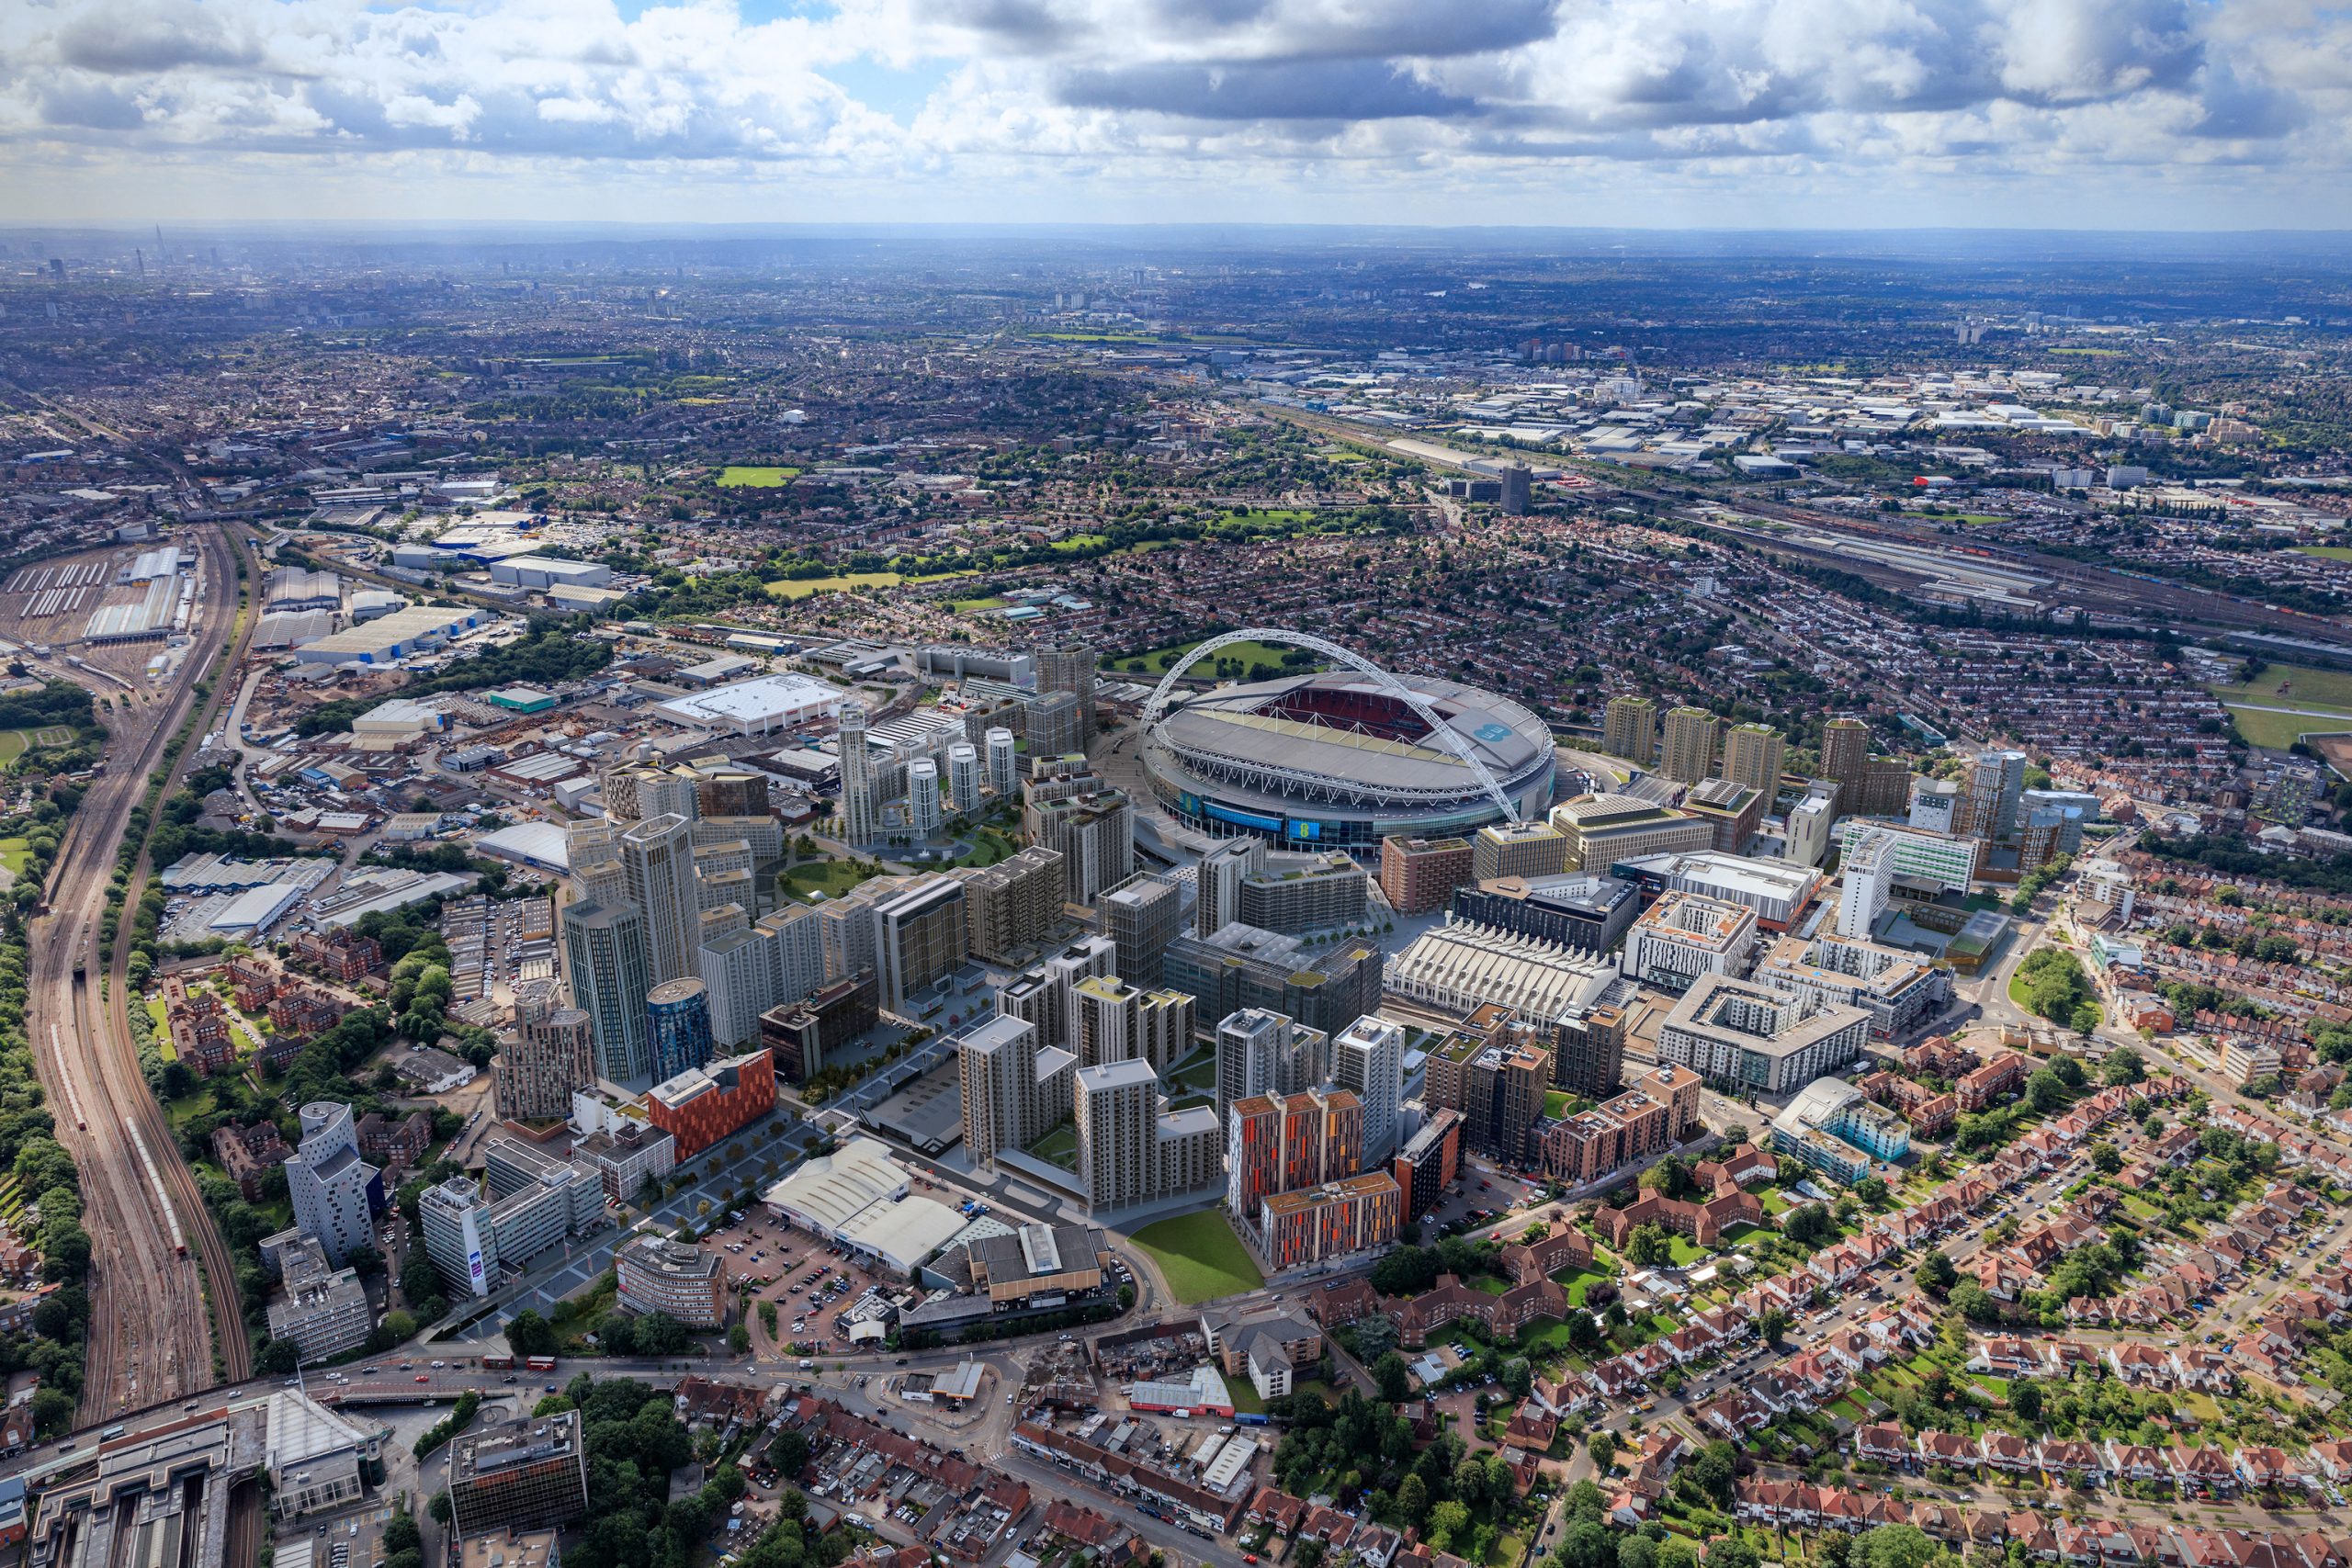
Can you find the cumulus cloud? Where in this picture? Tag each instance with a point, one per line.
(1383, 94)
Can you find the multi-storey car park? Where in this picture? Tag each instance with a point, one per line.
(1345, 758)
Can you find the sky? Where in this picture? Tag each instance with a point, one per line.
(1775, 114)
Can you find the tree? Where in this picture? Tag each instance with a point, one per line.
(1892, 1546)
(738, 1338)
(1394, 1376)
(2025, 1400)
(1447, 1520)
(1808, 1225)
(2123, 1065)
(1649, 1247)
(1975, 1304)
(1771, 1323)
(1935, 1274)
(1412, 1500)
(1519, 1377)
(528, 1334)
(1603, 1446)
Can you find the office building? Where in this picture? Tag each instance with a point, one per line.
(1430, 1162)
(800, 1035)
(1990, 787)
(1778, 891)
(623, 1159)
(1297, 894)
(323, 1310)
(1660, 1110)
(1418, 875)
(1141, 916)
(527, 1474)
(1113, 1021)
(1735, 810)
(1068, 667)
(1629, 729)
(677, 1026)
(1325, 988)
(1755, 755)
(962, 777)
(1579, 910)
(658, 857)
(1518, 485)
(1003, 750)
(336, 1194)
(1368, 1058)
(1689, 751)
(1016, 1089)
(1130, 1151)
(652, 1273)
(1938, 860)
(1497, 1081)
(532, 1075)
(1216, 884)
(1042, 996)
(922, 796)
(1601, 829)
(705, 1105)
(1685, 935)
(532, 1203)
(1010, 908)
(1746, 1037)
(1260, 1052)
(1935, 806)
(920, 932)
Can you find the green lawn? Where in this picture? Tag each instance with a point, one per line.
(1200, 1256)
(1686, 1251)
(830, 877)
(737, 475)
(1058, 1146)
(1555, 1102)
(990, 845)
(801, 588)
(2325, 552)
(1156, 662)
(15, 855)
(1579, 1281)
(1197, 1071)
(2320, 699)
(14, 743)
(972, 606)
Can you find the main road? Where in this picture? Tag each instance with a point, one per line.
(156, 1255)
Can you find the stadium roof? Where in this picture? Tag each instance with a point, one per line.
(1232, 723)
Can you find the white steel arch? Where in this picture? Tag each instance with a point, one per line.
(1444, 733)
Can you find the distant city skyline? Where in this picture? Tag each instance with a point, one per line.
(1809, 114)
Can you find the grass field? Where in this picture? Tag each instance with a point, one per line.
(830, 877)
(990, 845)
(1156, 662)
(1555, 1102)
(736, 476)
(2325, 552)
(803, 587)
(1200, 1256)
(15, 855)
(2320, 700)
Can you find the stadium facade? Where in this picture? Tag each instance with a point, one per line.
(1345, 758)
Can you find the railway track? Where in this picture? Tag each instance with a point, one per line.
(154, 1250)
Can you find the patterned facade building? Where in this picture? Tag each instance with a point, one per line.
(1332, 1220)
(705, 1104)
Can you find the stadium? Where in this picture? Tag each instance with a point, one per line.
(1344, 759)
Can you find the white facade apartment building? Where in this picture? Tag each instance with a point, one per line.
(1368, 1056)
(1685, 935)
